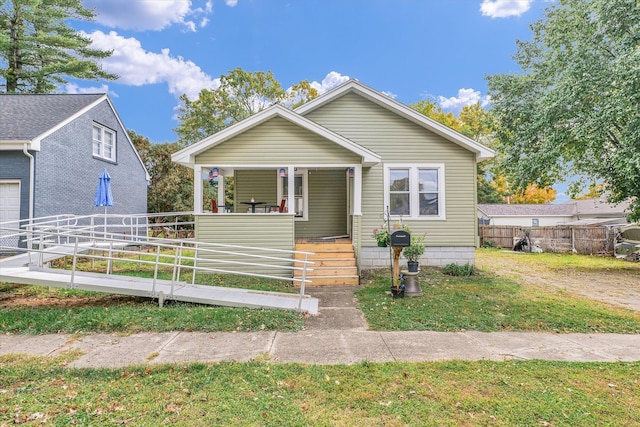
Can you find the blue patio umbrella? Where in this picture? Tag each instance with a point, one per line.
(103, 194)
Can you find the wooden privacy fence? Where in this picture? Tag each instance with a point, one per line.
(562, 238)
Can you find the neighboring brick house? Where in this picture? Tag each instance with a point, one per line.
(53, 148)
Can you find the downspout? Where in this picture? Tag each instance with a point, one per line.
(31, 185)
(31, 178)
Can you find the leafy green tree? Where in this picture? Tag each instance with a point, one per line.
(38, 50)
(575, 108)
(478, 124)
(171, 186)
(240, 94)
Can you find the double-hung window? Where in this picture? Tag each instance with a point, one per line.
(415, 190)
(104, 143)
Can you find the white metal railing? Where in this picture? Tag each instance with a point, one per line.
(125, 238)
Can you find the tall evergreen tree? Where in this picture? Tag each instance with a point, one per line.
(39, 51)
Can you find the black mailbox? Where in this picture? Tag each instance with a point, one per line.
(400, 238)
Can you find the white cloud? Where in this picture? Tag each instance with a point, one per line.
(465, 97)
(137, 67)
(74, 88)
(231, 3)
(330, 81)
(504, 8)
(148, 14)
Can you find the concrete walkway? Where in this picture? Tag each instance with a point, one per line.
(337, 335)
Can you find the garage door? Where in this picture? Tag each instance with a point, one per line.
(9, 211)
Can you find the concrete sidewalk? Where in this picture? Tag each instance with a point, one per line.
(325, 347)
(338, 335)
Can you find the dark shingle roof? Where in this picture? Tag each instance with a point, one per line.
(25, 116)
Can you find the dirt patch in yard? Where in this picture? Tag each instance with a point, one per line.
(607, 280)
(16, 299)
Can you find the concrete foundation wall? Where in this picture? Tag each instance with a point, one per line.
(434, 256)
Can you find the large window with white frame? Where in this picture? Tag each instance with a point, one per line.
(415, 191)
(104, 142)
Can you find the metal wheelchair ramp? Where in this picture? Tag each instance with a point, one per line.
(44, 242)
(160, 289)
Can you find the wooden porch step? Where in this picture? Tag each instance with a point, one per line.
(334, 263)
(322, 247)
(328, 271)
(334, 281)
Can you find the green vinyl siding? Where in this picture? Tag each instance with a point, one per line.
(327, 204)
(261, 185)
(272, 231)
(398, 140)
(277, 141)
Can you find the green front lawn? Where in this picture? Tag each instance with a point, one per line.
(482, 302)
(485, 302)
(40, 391)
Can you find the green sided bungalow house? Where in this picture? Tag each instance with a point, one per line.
(322, 177)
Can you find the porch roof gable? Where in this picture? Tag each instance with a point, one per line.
(187, 155)
(482, 152)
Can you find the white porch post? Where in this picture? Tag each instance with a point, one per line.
(291, 194)
(221, 200)
(357, 190)
(197, 189)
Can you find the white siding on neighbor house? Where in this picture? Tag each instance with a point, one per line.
(277, 142)
(398, 140)
(543, 221)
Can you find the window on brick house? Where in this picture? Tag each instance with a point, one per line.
(104, 143)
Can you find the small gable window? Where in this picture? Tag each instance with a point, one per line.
(415, 190)
(104, 143)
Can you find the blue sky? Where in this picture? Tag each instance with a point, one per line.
(409, 49)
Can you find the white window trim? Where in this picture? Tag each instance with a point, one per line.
(413, 190)
(103, 130)
(305, 194)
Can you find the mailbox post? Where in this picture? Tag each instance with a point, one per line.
(399, 239)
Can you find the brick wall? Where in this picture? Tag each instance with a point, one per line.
(67, 173)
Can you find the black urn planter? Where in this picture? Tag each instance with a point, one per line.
(412, 266)
(397, 292)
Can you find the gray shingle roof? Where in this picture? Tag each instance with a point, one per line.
(597, 207)
(25, 116)
(566, 209)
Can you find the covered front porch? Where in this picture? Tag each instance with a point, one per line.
(271, 159)
(319, 201)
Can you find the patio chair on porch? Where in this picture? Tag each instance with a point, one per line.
(282, 207)
(215, 207)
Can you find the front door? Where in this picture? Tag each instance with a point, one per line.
(324, 200)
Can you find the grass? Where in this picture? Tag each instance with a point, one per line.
(40, 310)
(486, 302)
(483, 302)
(524, 393)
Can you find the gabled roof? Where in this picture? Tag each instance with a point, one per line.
(186, 156)
(354, 86)
(493, 210)
(600, 208)
(27, 116)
